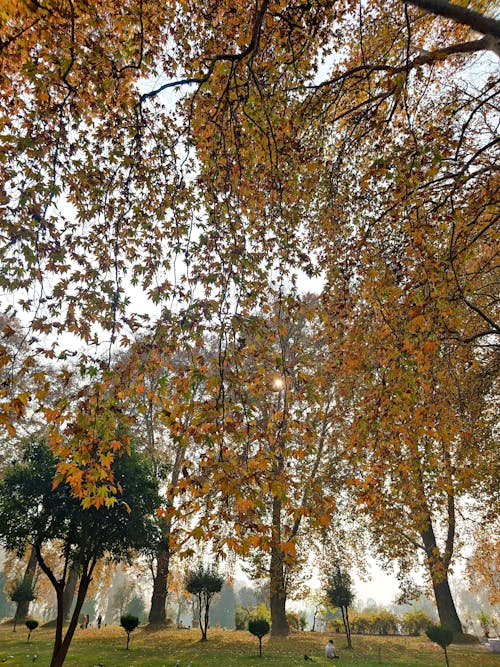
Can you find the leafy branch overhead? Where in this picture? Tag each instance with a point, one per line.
(253, 94)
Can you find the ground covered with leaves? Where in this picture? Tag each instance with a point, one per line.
(226, 648)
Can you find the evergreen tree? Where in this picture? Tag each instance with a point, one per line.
(204, 582)
(340, 594)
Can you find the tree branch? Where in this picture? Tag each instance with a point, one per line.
(4, 44)
(229, 57)
(475, 20)
(424, 58)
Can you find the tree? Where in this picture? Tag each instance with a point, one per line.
(120, 593)
(278, 421)
(296, 620)
(399, 307)
(163, 411)
(482, 567)
(23, 591)
(258, 627)
(442, 636)
(420, 422)
(129, 624)
(384, 622)
(340, 594)
(485, 621)
(31, 624)
(136, 607)
(241, 616)
(33, 512)
(204, 582)
(92, 97)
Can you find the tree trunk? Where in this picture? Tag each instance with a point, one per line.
(61, 646)
(69, 593)
(347, 627)
(157, 612)
(22, 609)
(62, 643)
(447, 611)
(313, 629)
(279, 623)
(206, 617)
(179, 613)
(202, 616)
(438, 568)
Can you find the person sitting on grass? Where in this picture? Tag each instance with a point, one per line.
(330, 650)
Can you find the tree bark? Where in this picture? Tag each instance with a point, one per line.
(63, 642)
(69, 593)
(206, 605)
(22, 609)
(157, 612)
(477, 21)
(438, 568)
(313, 629)
(347, 627)
(61, 647)
(202, 615)
(279, 622)
(447, 611)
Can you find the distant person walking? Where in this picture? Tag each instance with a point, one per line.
(99, 621)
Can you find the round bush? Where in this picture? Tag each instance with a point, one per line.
(129, 624)
(439, 635)
(31, 624)
(258, 627)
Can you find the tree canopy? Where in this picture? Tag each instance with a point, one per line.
(33, 512)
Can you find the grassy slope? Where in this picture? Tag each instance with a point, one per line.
(230, 649)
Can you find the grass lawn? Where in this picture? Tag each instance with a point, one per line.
(227, 648)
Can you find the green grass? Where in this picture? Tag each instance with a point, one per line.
(227, 648)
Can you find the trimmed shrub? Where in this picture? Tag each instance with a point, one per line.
(31, 624)
(442, 636)
(258, 627)
(129, 624)
(204, 582)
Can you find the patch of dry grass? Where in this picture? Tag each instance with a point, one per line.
(225, 648)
